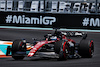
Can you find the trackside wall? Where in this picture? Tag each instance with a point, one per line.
(49, 20)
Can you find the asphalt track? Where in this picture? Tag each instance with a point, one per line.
(12, 34)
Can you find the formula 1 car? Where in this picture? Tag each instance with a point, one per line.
(52, 46)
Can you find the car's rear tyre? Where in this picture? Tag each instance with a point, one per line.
(86, 48)
(18, 46)
(58, 46)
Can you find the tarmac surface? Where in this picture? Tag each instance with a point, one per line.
(12, 34)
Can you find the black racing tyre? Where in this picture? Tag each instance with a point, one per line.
(59, 50)
(86, 48)
(17, 46)
(57, 46)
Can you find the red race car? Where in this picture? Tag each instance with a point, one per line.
(55, 45)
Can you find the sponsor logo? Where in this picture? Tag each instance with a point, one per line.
(22, 19)
(91, 22)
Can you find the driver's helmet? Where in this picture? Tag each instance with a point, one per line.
(53, 38)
